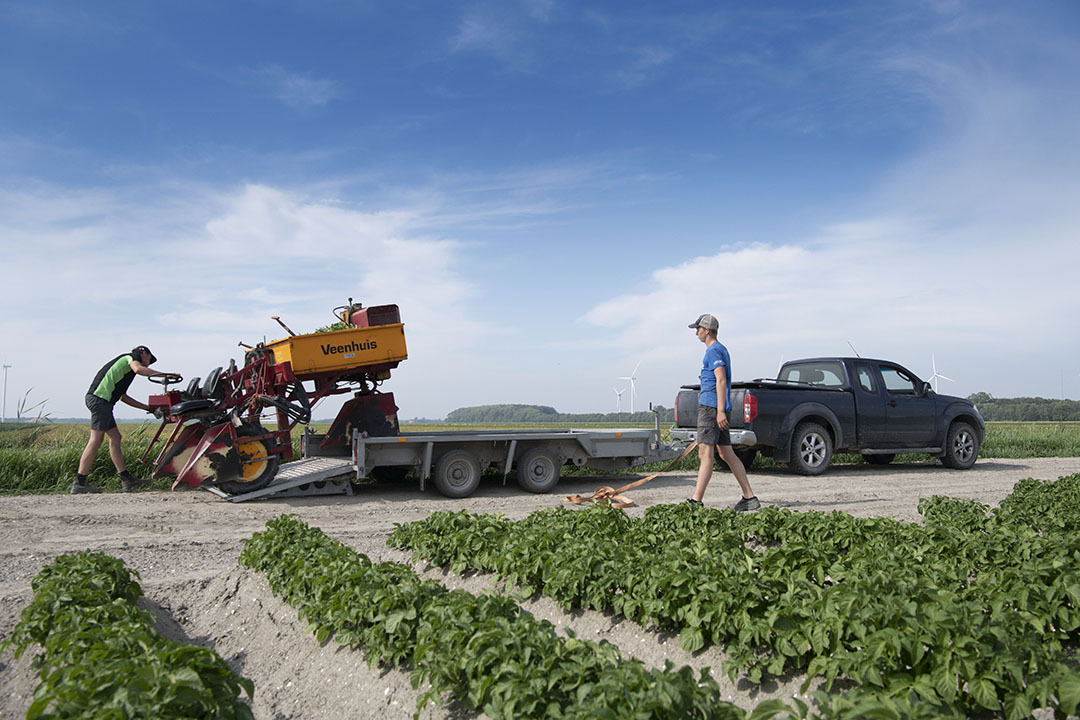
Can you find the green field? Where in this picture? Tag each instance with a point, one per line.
(41, 458)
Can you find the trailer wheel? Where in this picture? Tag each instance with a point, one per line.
(538, 470)
(961, 446)
(258, 465)
(811, 449)
(457, 474)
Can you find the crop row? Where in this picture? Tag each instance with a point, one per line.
(481, 651)
(973, 611)
(102, 657)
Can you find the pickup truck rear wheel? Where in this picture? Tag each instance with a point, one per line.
(457, 474)
(811, 449)
(961, 446)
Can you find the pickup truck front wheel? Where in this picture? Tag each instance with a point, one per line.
(961, 447)
(811, 449)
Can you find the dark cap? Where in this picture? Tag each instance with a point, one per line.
(138, 350)
(706, 321)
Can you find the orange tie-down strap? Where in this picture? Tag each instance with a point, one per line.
(615, 498)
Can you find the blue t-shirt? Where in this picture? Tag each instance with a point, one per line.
(716, 355)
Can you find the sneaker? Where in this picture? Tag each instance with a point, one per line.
(133, 483)
(750, 503)
(83, 487)
(694, 503)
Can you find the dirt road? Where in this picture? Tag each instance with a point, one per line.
(184, 546)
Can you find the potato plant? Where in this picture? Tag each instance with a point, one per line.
(972, 611)
(102, 657)
(483, 652)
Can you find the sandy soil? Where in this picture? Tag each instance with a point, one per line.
(184, 546)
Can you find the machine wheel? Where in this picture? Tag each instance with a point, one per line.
(811, 449)
(457, 474)
(258, 465)
(961, 446)
(879, 459)
(538, 470)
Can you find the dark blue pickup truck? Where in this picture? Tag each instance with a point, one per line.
(819, 406)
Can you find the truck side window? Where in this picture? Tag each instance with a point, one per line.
(866, 380)
(827, 374)
(897, 382)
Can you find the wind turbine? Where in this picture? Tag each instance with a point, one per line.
(633, 388)
(936, 375)
(618, 399)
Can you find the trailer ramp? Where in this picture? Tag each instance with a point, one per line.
(302, 478)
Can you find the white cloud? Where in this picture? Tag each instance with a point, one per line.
(298, 90)
(95, 277)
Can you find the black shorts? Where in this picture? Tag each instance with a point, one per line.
(708, 432)
(101, 413)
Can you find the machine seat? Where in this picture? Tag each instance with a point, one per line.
(187, 406)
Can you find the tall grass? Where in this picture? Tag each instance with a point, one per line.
(43, 458)
(36, 458)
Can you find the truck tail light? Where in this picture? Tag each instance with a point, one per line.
(676, 411)
(749, 407)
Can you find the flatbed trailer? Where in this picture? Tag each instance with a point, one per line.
(454, 460)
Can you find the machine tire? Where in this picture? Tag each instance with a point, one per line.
(811, 449)
(961, 446)
(538, 470)
(457, 474)
(255, 476)
(879, 459)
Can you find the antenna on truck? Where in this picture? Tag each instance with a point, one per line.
(853, 349)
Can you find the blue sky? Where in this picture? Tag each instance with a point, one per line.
(550, 191)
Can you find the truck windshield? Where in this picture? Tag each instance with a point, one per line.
(823, 374)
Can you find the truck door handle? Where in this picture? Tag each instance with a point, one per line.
(892, 403)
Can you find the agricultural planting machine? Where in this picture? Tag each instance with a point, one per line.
(218, 439)
(219, 442)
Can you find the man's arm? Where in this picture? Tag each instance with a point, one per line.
(140, 369)
(721, 397)
(127, 400)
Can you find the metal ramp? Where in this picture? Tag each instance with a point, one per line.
(302, 478)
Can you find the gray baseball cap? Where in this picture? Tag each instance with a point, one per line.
(706, 321)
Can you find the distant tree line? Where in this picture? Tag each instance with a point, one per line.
(1025, 408)
(546, 414)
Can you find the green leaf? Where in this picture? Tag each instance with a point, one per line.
(1068, 692)
(769, 709)
(691, 639)
(984, 692)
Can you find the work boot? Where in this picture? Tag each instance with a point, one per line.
(79, 485)
(750, 503)
(128, 482)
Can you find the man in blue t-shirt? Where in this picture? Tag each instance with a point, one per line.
(108, 388)
(712, 431)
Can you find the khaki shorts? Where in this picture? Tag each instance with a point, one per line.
(708, 432)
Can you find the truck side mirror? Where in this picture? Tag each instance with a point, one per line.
(926, 388)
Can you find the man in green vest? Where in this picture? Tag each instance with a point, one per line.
(110, 385)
